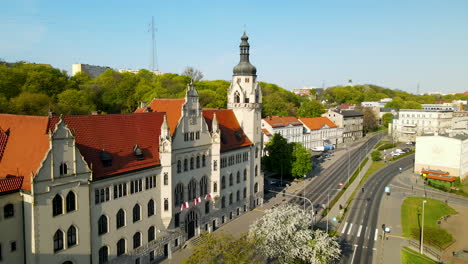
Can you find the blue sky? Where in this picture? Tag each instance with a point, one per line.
(396, 44)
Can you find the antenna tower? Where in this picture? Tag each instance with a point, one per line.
(154, 61)
(417, 89)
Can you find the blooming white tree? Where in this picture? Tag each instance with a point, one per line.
(284, 234)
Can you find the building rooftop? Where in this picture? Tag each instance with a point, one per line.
(314, 123)
(282, 121)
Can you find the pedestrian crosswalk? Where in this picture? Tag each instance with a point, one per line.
(358, 230)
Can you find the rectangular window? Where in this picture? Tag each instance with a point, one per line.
(115, 192)
(13, 246)
(107, 193)
(96, 196)
(140, 184)
(177, 220)
(146, 183)
(176, 242)
(124, 186)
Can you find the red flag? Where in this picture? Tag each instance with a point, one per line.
(195, 201)
(181, 207)
(186, 205)
(208, 196)
(199, 200)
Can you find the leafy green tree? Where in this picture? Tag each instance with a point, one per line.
(45, 80)
(311, 109)
(278, 155)
(413, 105)
(224, 248)
(376, 155)
(301, 164)
(31, 104)
(387, 119)
(74, 102)
(4, 105)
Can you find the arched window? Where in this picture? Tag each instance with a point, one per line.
(71, 201)
(120, 218)
(203, 186)
(223, 182)
(256, 170)
(71, 236)
(151, 234)
(203, 160)
(256, 152)
(166, 179)
(236, 97)
(150, 207)
(166, 204)
(191, 163)
(192, 189)
(207, 207)
(102, 225)
(256, 187)
(121, 247)
(223, 202)
(245, 174)
(215, 165)
(231, 180)
(179, 194)
(136, 240)
(8, 211)
(245, 193)
(103, 255)
(198, 162)
(215, 187)
(136, 213)
(57, 208)
(230, 198)
(179, 166)
(237, 195)
(63, 168)
(58, 240)
(238, 177)
(185, 165)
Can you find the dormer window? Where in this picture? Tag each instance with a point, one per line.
(138, 153)
(238, 135)
(63, 168)
(105, 158)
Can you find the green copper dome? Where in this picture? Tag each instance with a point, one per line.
(244, 68)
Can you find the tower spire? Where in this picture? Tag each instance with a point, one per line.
(245, 68)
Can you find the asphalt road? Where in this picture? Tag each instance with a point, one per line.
(361, 230)
(326, 182)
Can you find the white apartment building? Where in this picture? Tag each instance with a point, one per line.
(134, 71)
(410, 123)
(129, 188)
(351, 121)
(92, 71)
(320, 131)
(288, 127)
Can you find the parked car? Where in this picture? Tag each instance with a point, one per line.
(406, 150)
(394, 154)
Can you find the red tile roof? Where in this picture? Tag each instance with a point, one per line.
(441, 178)
(266, 132)
(314, 123)
(10, 184)
(172, 107)
(282, 121)
(117, 135)
(3, 141)
(26, 147)
(346, 106)
(234, 136)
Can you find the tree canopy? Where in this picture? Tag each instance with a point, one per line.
(278, 156)
(301, 161)
(311, 108)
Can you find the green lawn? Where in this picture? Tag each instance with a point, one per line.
(434, 210)
(375, 166)
(409, 256)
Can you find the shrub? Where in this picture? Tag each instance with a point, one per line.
(376, 155)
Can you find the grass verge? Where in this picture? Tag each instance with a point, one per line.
(434, 210)
(409, 256)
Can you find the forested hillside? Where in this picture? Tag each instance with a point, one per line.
(33, 89)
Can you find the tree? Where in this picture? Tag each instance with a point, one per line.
(412, 105)
(278, 155)
(301, 164)
(31, 104)
(284, 233)
(310, 109)
(370, 122)
(376, 155)
(224, 248)
(74, 102)
(387, 119)
(193, 73)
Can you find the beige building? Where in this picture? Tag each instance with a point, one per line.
(129, 188)
(410, 123)
(351, 121)
(443, 153)
(92, 71)
(320, 131)
(288, 127)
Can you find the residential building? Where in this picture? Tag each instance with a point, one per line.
(351, 121)
(410, 123)
(320, 131)
(129, 188)
(287, 126)
(444, 153)
(443, 107)
(92, 71)
(134, 71)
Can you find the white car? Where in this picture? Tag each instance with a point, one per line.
(394, 154)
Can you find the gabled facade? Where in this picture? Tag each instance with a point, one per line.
(131, 187)
(320, 131)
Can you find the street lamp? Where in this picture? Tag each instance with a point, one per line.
(328, 198)
(422, 227)
(306, 199)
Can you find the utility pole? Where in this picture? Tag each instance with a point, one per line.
(154, 61)
(422, 227)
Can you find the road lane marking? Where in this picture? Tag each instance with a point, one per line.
(368, 233)
(354, 253)
(397, 236)
(350, 227)
(359, 231)
(259, 210)
(344, 228)
(376, 233)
